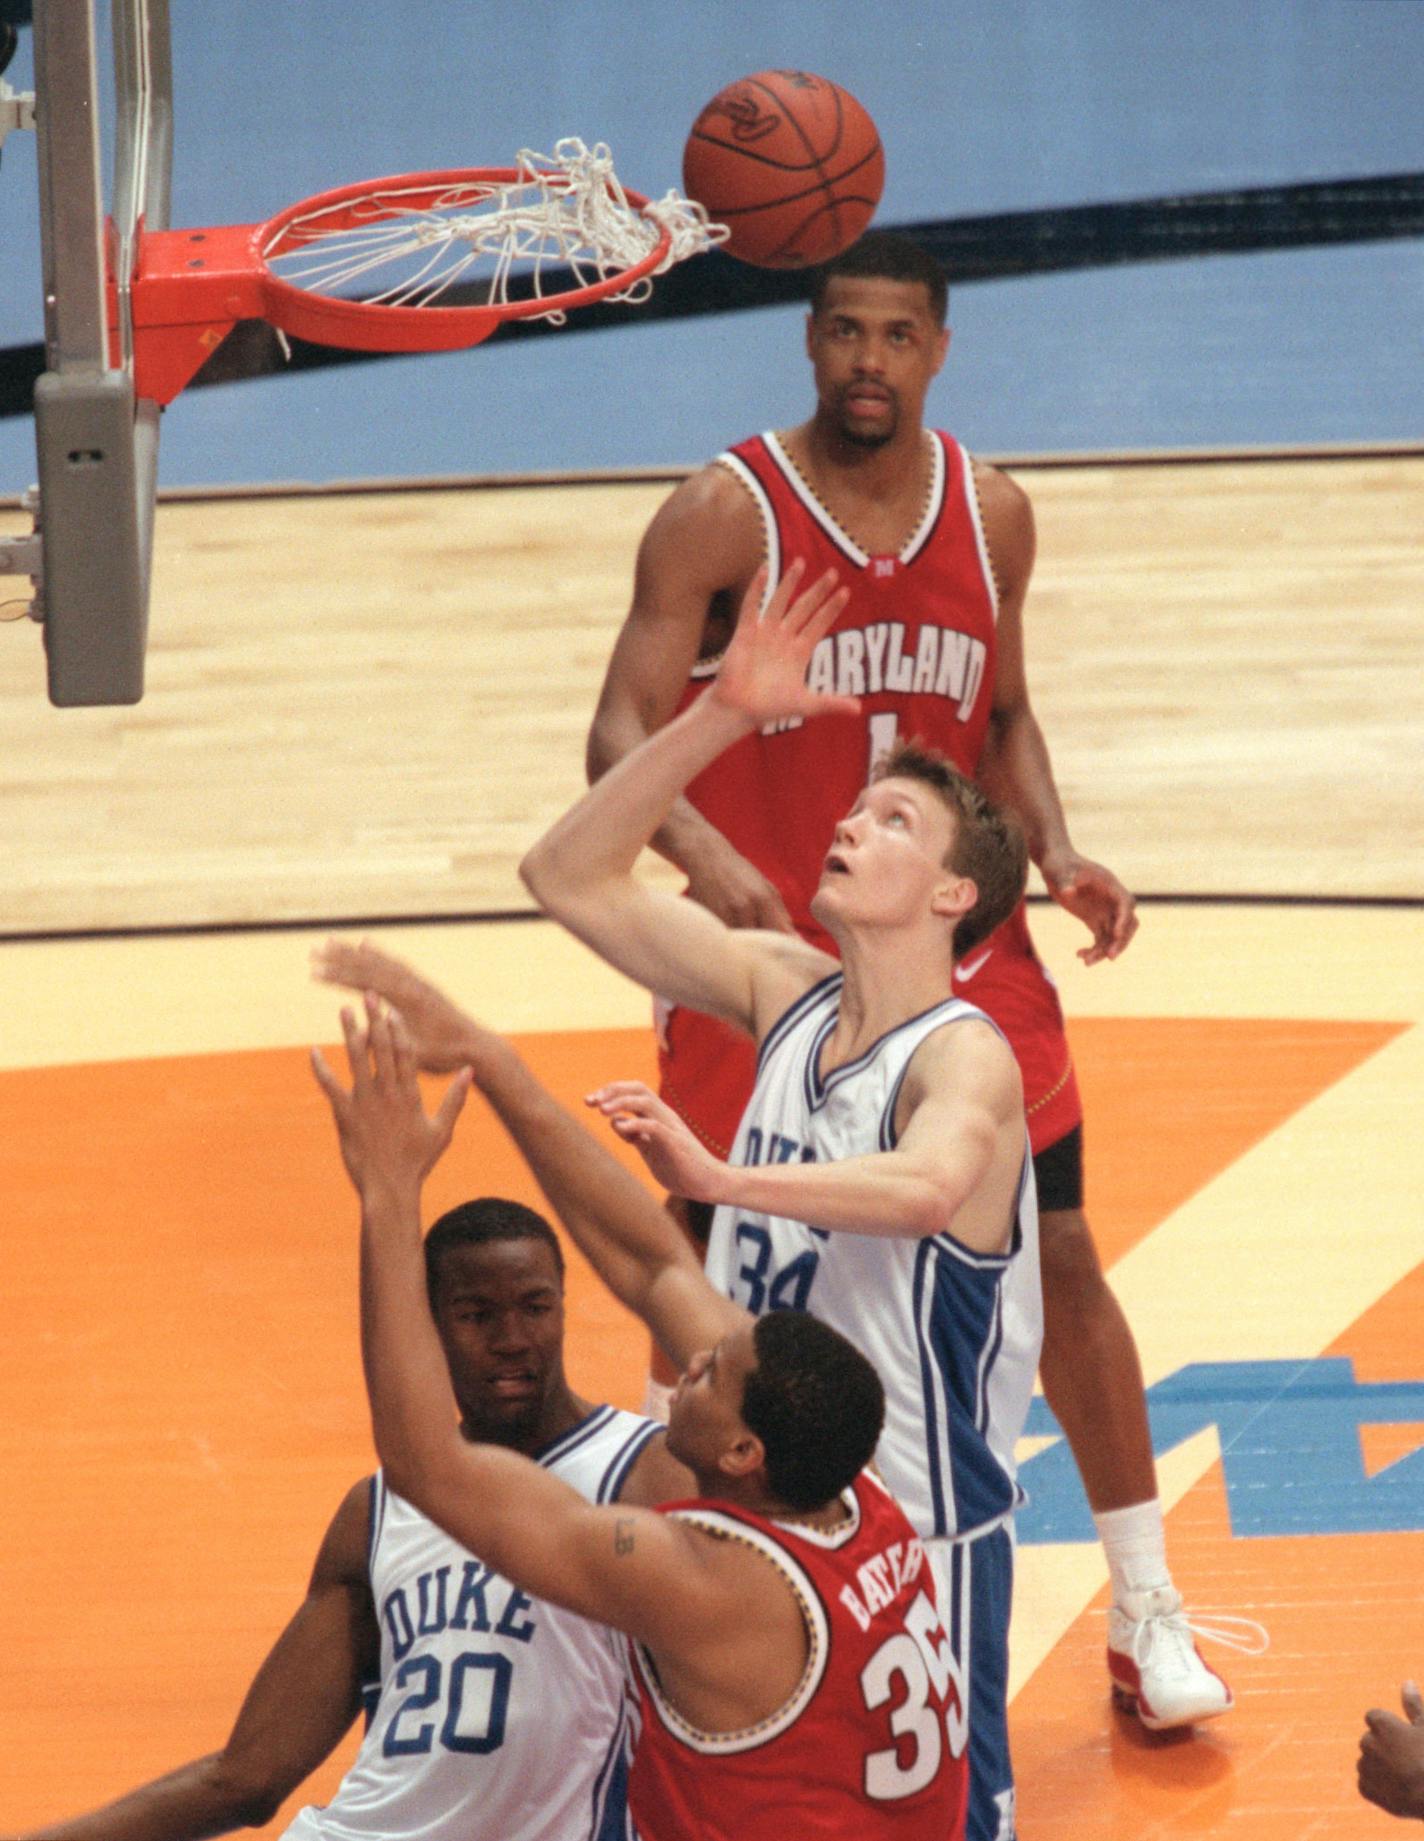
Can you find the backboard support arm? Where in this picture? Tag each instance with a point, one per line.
(97, 449)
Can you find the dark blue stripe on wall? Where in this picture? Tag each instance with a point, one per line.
(992, 247)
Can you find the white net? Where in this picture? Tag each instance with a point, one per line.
(565, 222)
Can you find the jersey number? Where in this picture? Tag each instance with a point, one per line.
(475, 1705)
(919, 1657)
(884, 730)
(764, 1289)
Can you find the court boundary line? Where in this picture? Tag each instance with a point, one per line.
(670, 475)
(351, 923)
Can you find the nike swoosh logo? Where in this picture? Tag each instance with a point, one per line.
(963, 973)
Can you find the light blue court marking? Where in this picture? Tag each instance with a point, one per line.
(1290, 1450)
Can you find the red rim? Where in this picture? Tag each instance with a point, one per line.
(368, 326)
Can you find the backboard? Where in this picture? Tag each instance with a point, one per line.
(429, 261)
(96, 444)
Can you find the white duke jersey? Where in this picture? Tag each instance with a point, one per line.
(955, 1335)
(499, 1717)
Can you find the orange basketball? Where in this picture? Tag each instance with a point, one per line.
(791, 163)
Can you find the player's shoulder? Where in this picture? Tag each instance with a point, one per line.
(785, 969)
(597, 1455)
(357, 1506)
(967, 1053)
(655, 1475)
(1007, 516)
(1001, 497)
(706, 538)
(346, 1546)
(714, 491)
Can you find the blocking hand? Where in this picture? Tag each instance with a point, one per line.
(443, 1037)
(387, 1141)
(763, 674)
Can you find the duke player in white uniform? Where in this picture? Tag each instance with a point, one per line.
(954, 1334)
(881, 1179)
(491, 1716)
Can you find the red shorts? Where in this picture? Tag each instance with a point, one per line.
(707, 1069)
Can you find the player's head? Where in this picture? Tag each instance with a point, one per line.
(922, 843)
(495, 1274)
(785, 1409)
(987, 848)
(876, 338)
(885, 255)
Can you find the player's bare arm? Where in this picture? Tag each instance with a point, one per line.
(955, 1167)
(582, 870)
(300, 1705)
(1015, 768)
(697, 556)
(664, 1583)
(625, 1234)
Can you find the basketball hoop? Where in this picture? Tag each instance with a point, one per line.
(373, 266)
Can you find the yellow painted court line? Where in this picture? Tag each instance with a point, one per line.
(116, 1000)
(1358, 965)
(1271, 1261)
(106, 1000)
(1055, 1583)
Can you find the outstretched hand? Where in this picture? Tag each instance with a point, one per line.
(443, 1038)
(763, 674)
(676, 1158)
(1094, 894)
(387, 1141)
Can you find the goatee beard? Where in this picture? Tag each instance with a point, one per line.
(858, 439)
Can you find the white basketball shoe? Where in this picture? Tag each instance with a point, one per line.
(1157, 1669)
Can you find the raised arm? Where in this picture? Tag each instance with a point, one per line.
(697, 556)
(628, 1237)
(954, 1169)
(582, 871)
(1015, 768)
(625, 1566)
(301, 1703)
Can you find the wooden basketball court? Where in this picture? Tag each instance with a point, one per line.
(365, 706)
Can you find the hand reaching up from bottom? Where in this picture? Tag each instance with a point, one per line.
(387, 1140)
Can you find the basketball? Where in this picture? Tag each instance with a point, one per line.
(790, 163)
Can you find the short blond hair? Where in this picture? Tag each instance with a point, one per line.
(988, 844)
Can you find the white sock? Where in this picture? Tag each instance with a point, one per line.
(657, 1400)
(1135, 1543)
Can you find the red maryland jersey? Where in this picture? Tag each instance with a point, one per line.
(870, 1747)
(915, 641)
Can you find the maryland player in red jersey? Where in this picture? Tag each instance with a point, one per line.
(918, 643)
(791, 1659)
(867, 1595)
(937, 549)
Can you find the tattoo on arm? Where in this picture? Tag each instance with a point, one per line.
(623, 1534)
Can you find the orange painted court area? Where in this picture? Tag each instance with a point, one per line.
(183, 1410)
